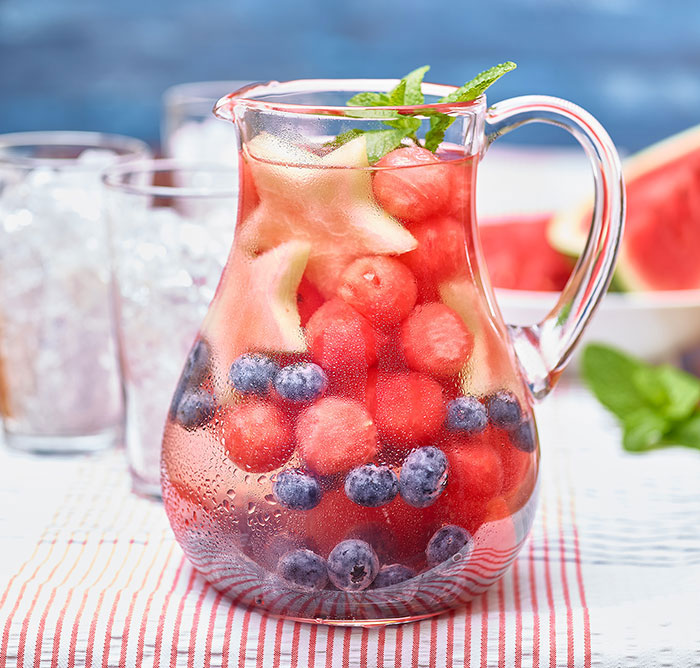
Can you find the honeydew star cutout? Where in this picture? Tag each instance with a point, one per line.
(327, 202)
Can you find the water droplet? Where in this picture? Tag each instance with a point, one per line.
(277, 514)
(251, 507)
(226, 504)
(271, 499)
(246, 478)
(230, 493)
(262, 479)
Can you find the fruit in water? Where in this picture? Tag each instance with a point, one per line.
(253, 373)
(391, 575)
(197, 368)
(519, 256)
(309, 299)
(476, 470)
(662, 228)
(504, 410)
(255, 305)
(300, 382)
(423, 477)
(441, 254)
(371, 485)
(523, 436)
(257, 436)
(352, 565)
(325, 200)
(446, 543)
(297, 490)
(435, 340)
(340, 338)
(303, 568)
(408, 407)
(381, 288)
(195, 408)
(335, 435)
(466, 414)
(412, 184)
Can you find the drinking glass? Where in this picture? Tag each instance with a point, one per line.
(171, 224)
(61, 390)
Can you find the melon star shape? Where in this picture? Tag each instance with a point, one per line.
(326, 201)
(255, 305)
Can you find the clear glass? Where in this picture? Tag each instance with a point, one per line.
(352, 438)
(170, 230)
(188, 129)
(61, 389)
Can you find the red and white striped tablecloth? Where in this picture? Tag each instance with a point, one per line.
(90, 575)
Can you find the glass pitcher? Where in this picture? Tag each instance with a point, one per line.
(352, 438)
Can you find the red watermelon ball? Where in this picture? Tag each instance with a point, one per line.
(381, 288)
(257, 436)
(412, 184)
(436, 341)
(409, 408)
(336, 434)
(441, 253)
(475, 469)
(340, 337)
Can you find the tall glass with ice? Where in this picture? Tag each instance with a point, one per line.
(352, 437)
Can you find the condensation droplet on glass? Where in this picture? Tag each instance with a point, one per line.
(271, 499)
(262, 479)
(251, 507)
(231, 493)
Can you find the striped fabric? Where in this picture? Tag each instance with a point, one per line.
(610, 577)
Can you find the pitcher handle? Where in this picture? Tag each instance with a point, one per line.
(544, 348)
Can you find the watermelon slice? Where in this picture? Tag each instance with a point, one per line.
(325, 200)
(255, 305)
(662, 236)
(519, 257)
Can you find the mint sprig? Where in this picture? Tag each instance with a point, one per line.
(657, 406)
(408, 92)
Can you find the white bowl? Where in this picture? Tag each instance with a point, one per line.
(652, 325)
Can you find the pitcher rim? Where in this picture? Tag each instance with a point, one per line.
(244, 97)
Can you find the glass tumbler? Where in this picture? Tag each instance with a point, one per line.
(171, 225)
(189, 131)
(60, 382)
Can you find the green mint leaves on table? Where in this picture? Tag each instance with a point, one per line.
(658, 406)
(404, 126)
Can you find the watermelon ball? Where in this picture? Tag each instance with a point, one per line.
(446, 543)
(381, 288)
(523, 436)
(412, 184)
(409, 407)
(423, 476)
(300, 382)
(304, 568)
(436, 341)
(336, 434)
(504, 410)
(441, 253)
(352, 565)
(195, 409)
(252, 373)
(476, 471)
(466, 414)
(371, 485)
(341, 338)
(257, 436)
(391, 575)
(297, 490)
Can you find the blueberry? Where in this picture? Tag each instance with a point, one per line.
(195, 371)
(423, 476)
(252, 373)
(304, 568)
(504, 410)
(466, 414)
(297, 490)
(446, 542)
(371, 485)
(391, 575)
(523, 436)
(352, 565)
(304, 381)
(195, 408)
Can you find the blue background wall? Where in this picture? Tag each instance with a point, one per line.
(93, 64)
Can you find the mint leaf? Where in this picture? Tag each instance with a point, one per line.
(608, 373)
(687, 433)
(472, 89)
(674, 393)
(381, 142)
(644, 430)
(414, 92)
(397, 95)
(369, 100)
(438, 126)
